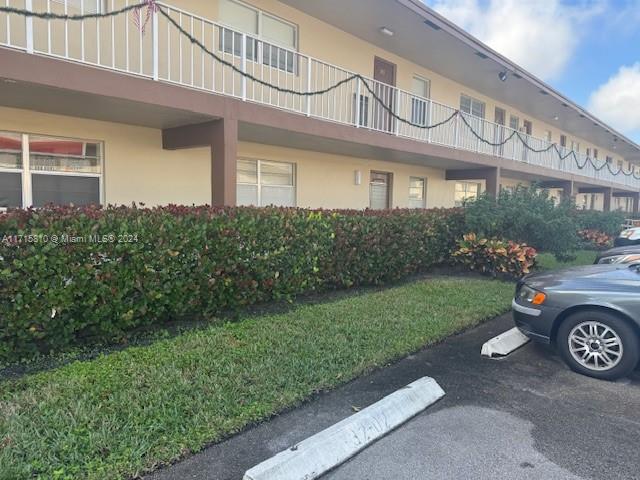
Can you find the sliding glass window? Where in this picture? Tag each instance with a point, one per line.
(37, 170)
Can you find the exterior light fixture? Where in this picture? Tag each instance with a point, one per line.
(429, 23)
(387, 31)
(556, 118)
(503, 76)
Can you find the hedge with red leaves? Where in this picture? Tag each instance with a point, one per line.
(75, 274)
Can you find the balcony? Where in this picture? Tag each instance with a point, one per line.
(161, 52)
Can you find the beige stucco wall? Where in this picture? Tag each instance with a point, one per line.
(136, 169)
(328, 181)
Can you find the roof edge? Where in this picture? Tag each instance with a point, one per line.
(452, 29)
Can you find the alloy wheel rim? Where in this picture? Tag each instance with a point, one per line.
(595, 346)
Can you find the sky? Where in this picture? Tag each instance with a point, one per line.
(587, 49)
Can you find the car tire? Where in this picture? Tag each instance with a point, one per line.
(601, 331)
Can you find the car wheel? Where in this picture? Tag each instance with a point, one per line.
(598, 344)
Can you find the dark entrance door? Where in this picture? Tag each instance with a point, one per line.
(384, 73)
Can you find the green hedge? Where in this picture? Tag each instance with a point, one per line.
(149, 266)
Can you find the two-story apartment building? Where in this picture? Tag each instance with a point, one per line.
(335, 104)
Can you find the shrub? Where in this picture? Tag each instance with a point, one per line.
(526, 215)
(149, 266)
(595, 239)
(495, 257)
(609, 223)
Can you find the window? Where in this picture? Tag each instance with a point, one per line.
(595, 153)
(280, 37)
(527, 127)
(55, 170)
(84, 6)
(380, 190)
(609, 159)
(620, 164)
(419, 106)
(575, 146)
(417, 192)
(472, 106)
(548, 136)
(563, 140)
(588, 152)
(264, 182)
(514, 122)
(466, 191)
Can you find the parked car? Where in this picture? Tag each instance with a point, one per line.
(591, 314)
(630, 236)
(628, 254)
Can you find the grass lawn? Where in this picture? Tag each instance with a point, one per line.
(129, 412)
(546, 261)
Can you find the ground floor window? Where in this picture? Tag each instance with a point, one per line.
(380, 190)
(265, 182)
(466, 191)
(624, 204)
(417, 192)
(37, 170)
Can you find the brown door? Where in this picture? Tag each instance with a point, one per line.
(384, 73)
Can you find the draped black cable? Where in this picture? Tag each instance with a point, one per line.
(354, 77)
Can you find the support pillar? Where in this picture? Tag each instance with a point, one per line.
(221, 136)
(636, 204)
(224, 156)
(608, 199)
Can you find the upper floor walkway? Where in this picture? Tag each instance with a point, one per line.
(172, 45)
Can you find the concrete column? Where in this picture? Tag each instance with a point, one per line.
(636, 204)
(224, 155)
(608, 199)
(493, 182)
(221, 136)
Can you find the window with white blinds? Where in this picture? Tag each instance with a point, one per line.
(84, 6)
(281, 37)
(265, 182)
(419, 106)
(380, 191)
(472, 106)
(417, 192)
(466, 191)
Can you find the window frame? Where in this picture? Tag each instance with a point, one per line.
(420, 104)
(466, 184)
(259, 184)
(424, 191)
(471, 103)
(26, 172)
(259, 41)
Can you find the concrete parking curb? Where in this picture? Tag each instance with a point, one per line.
(329, 448)
(504, 344)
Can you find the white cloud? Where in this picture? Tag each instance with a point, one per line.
(539, 35)
(617, 101)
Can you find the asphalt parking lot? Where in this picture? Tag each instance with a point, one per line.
(523, 416)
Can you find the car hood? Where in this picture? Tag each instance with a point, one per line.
(589, 277)
(630, 250)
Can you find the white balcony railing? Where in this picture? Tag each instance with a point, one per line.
(164, 54)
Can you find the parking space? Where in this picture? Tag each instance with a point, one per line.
(526, 416)
(523, 416)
